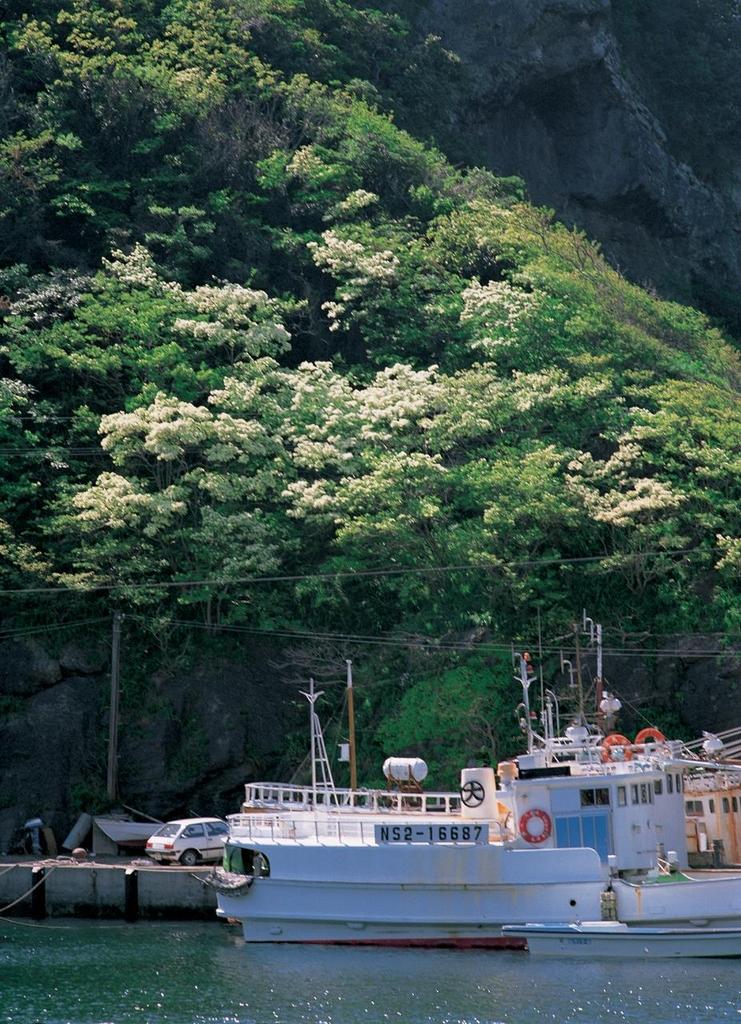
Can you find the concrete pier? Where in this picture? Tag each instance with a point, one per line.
(131, 890)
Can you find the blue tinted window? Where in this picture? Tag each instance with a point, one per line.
(601, 835)
(568, 831)
(591, 830)
(562, 832)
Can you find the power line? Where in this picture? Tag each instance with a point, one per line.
(346, 574)
(50, 450)
(19, 632)
(426, 643)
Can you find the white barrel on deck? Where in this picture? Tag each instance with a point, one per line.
(478, 793)
(405, 769)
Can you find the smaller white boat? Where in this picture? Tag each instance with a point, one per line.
(615, 939)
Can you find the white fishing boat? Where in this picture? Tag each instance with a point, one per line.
(598, 939)
(582, 827)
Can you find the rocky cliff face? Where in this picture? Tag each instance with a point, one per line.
(550, 100)
(189, 742)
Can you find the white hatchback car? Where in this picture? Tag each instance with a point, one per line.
(189, 841)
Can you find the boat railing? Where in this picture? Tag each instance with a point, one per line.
(638, 766)
(316, 829)
(710, 783)
(272, 796)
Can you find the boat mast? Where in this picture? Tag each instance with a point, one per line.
(579, 683)
(525, 683)
(595, 640)
(351, 727)
(319, 759)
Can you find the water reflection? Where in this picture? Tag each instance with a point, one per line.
(81, 973)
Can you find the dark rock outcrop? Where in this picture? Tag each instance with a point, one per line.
(26, 668)
(186, 741)
(550, 100)
(48, 748)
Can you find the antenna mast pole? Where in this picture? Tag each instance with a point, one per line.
(525, 683)
(351, 727)
(312, 697)
(579, 684)
(540, 665)
(594, 629)
(599, 681)
(318, 748)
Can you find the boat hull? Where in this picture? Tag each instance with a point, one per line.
(385, 934)
(621, 941)
(696, 902)
(401, 915)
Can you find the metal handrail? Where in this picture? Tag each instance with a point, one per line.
(315, 829)
(269, 795)
(712, 783)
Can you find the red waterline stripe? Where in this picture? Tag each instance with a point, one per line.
(501, 942)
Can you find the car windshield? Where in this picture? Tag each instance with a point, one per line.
(169, 830)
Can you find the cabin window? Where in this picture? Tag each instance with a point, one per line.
(658, 787)
(693, 807)
(590, 829)
(670, 783)
(595, 797)
(646, 794)
(735, 804)
(679, 783)
(622, 796)
(233, 860)
(239, 861)
(726, 805)
(711, 806)
(634, 794)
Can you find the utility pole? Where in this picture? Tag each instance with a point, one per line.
(113, 716)
(351, 727)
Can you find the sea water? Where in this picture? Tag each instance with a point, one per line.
(60, 972)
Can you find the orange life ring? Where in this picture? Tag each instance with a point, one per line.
(616, 739)
(524, 826)
(650, 734)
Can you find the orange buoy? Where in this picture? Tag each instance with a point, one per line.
(616, 739)
(650, 733)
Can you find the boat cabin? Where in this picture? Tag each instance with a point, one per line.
(626, 812)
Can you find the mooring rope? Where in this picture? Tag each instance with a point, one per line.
(20, 899)
(12, 866)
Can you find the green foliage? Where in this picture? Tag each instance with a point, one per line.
(261, 330)
(460, 715)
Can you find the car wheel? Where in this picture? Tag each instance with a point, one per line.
(189, 858)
